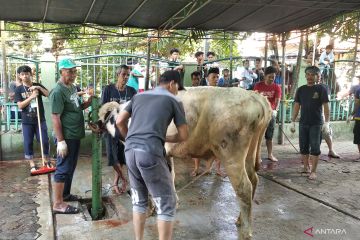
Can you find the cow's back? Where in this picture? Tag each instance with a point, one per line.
(213, 112)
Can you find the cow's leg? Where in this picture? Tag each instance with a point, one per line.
(234, 163)
(170, 162)
(252, 161)
(173, 179)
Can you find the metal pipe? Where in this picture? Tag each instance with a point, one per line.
(3, 49)
(314, 50)
(266, 49)
(147, 78)
(231, 58)
(282, 105)
(96, 207)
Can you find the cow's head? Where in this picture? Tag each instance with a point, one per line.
(107, 118)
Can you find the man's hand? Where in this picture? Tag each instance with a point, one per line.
(274, 113)
(34, 94)
(62, 149)
(293, 128)
(326, 128)
(32, 88)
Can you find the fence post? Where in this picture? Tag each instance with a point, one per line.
(282, 103)
(147, 79)
(96, 207)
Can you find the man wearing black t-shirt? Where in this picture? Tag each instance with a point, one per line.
(25, 96)
(120, 93)
(312, 99)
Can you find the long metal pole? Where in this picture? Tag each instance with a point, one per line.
(231, 56)
(96, 207)
(282, 105)
(266, 49)
(355, 49)
(147, 79)
(3, 54)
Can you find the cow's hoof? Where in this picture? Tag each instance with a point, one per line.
(246, 236)
(238, 222)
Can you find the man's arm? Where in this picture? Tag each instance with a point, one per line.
(86, 104)
(295, 111)
(57, 126)
(180, 136)
(180, 67)
(326, 111)
(42, 89)
(277, 103)
(26, 102)
(136, 74)
(322, 58)
(122, 123)
(356, 106)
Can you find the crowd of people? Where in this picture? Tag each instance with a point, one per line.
(143, 152)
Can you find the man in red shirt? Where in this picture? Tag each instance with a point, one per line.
(273, 93)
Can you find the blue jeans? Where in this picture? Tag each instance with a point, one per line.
(310, 139)
(29, 130)
(65, 167)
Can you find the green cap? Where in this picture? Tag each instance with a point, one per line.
(67, 63)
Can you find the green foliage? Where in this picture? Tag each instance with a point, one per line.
(342, 26)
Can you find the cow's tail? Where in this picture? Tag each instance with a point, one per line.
(263, 123)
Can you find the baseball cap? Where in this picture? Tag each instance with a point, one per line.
(67, 63)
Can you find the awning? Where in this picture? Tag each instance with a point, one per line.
(230, 15)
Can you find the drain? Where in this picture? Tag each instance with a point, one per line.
(108, 209)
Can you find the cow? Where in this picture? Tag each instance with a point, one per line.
(228, 124)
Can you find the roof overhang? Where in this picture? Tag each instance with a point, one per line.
(230, 15)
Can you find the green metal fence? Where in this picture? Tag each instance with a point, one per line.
(9, 109)
(99, 70)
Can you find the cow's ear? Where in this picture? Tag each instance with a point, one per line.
(106, 115)
(112, 120)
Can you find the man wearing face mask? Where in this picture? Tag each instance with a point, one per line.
(312, 98)
(120, 93)
(144, 151)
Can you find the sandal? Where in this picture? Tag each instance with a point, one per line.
(33, 169)
(68, 210)
(72, 198)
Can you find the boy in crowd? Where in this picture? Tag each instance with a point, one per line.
(28, 97)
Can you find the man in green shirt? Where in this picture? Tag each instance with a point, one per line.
(68, 121)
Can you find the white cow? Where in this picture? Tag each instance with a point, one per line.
(229, 124)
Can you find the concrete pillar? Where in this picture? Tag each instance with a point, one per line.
(48, 79)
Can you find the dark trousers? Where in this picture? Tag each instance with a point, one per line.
(65, 167)
(31, 130)
(310, 139)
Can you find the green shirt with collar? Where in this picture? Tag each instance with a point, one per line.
(66, 102)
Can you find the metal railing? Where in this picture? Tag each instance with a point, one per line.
(340, 110)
